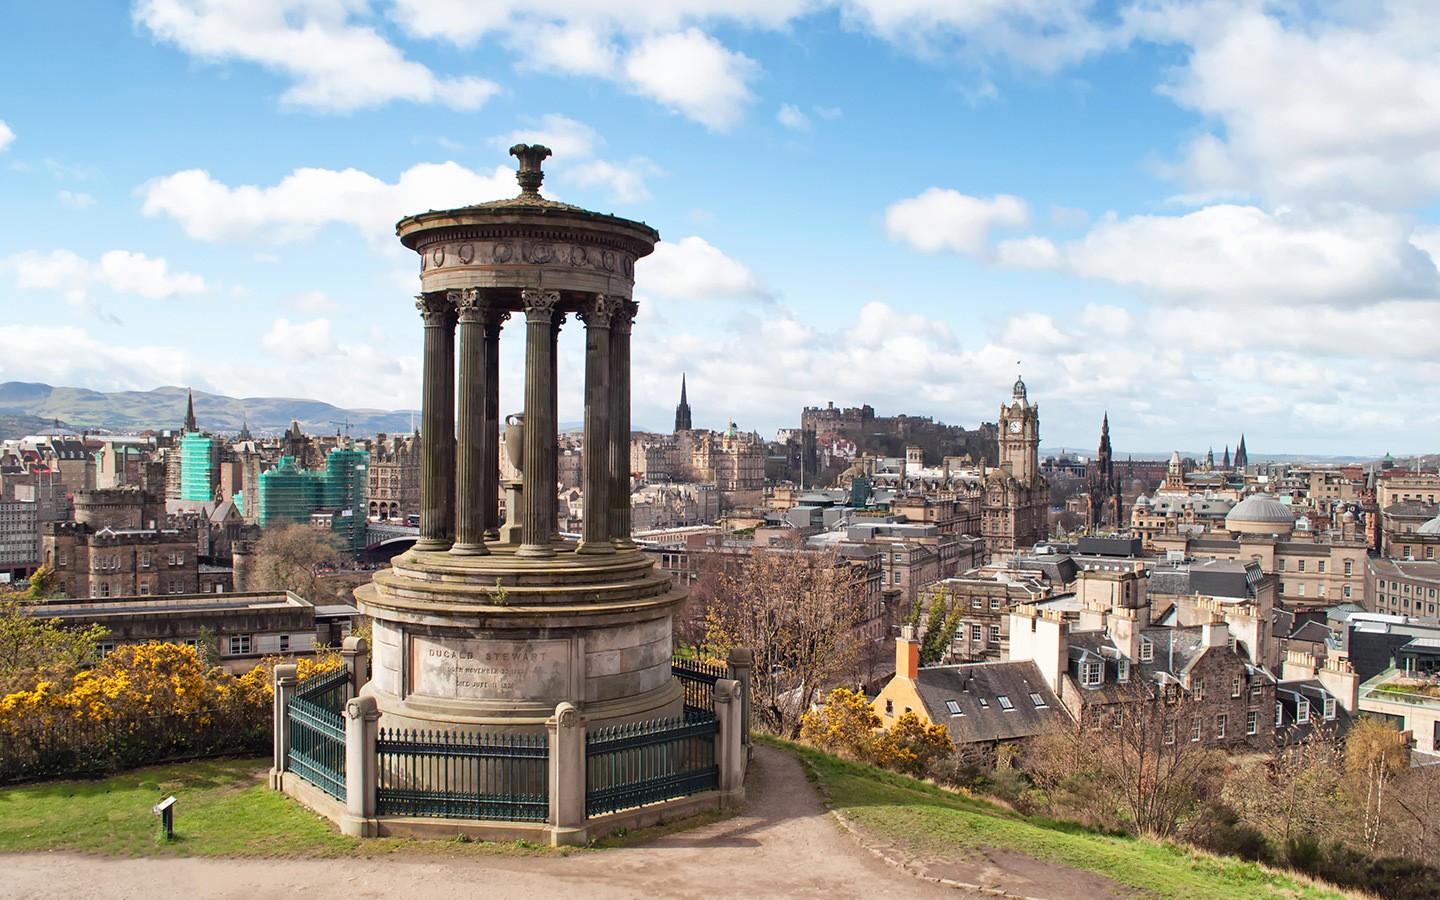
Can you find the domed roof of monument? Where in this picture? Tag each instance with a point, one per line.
(1430, 527)
(1260, 512)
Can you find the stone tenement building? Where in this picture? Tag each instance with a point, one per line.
(1017, 496)
(114, 548)
(394, 478)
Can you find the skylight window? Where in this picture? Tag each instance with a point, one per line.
(1005, 702)
(1039, 701)
(984, 704)
(953, 707)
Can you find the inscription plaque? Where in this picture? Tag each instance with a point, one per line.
(491, 670)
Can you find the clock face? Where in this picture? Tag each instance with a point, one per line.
(1015, 426)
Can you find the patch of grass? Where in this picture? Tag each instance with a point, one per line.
(224, 808)
(929, 820)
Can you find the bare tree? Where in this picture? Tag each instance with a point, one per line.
(288, 557)
(1294, 792)
(798, 611)
(1137, 757)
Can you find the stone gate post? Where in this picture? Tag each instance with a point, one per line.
(567, 776)
(356, 653)
(285, 681)
(362, 767)
(730, 751)
(741, 663)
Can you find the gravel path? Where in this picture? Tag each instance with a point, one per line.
(782, 844)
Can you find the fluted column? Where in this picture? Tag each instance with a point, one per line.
(619, 461)
(538, 499)
(437, 423)
(472, 308)
(597, 314)
(552, 465)
(490, 441)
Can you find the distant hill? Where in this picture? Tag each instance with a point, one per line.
(86, 410)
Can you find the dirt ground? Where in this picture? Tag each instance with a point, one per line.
(781, 844)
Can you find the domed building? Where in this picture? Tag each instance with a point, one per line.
(1260, 514)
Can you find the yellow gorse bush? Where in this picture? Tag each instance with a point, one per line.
(847, 726)
(145, 680)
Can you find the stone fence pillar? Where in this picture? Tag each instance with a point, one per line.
(362, 767)
(730, 751)
(741, 663)
(285, 681)
(567, 776)
(356, 653)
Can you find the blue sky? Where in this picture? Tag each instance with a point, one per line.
(1206, 217)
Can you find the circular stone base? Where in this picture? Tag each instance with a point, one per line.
(492, 643)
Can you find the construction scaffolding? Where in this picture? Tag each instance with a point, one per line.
(199, 466)
(334, 495)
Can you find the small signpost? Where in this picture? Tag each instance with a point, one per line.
(165, 809)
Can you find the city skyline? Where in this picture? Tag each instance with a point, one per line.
(1141, 202)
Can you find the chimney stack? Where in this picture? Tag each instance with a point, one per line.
(907, 654)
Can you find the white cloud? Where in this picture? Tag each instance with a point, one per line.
(1041, 34)
(791, 117)
(308, 199)
(566, 49)
(67, 355)
(1241, 254)
(693, 74)
(692, 269)
(943, 219)
(1307, 108)
(68, 274)
(7, 136)
(335, 61)
(75, 200)
(298, 341)
(1035, 332)
(136, 273)
(625, 180)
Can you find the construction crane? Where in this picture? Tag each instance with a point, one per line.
(338, 425)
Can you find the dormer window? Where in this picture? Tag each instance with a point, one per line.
(1092, 673)
(1147, 651)
(1329, 708)
(1122, 671)
(1302, 712)
(1279, 713)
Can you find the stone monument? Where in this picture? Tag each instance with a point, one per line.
(485, 626)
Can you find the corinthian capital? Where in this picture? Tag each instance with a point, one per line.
(436, 309)
(539, 305)
(599, 310)
(473, 305)
(625, 312)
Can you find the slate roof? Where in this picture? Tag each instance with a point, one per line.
(976, 690)
(1291, 694)
(1312, 632)
(1412, 509)
(1169, 581)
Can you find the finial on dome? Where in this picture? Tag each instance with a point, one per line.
(530, 175)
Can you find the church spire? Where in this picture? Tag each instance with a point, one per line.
(682, 411)
(190, 413)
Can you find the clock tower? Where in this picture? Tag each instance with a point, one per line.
(1016, 503)
(1020, 437)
